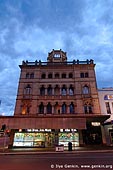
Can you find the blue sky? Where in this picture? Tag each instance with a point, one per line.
(31, 29)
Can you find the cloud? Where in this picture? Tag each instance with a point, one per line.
(31, 29)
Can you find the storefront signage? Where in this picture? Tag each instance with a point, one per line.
(38, 130)
(108, 97)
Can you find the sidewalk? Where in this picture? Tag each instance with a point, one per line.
(24, 151)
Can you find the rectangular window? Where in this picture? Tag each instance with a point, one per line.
(108, 108)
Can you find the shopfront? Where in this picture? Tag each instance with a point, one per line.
(45, 138)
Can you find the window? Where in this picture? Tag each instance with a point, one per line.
(108, 108)
(49, 108)
(71, 91)
(86, 74)
(27, 90)
(85, 89)
(49, 90)
(64, 90)
(41, 108)
(42, 91)
(82, 75)
(25, 108)
(70, 75)
(63, 108)
(63, 75)
(27, 76)
(71, 108)
(32, 75)
(57, 90)
(43, 76)
(50, 76)
(57, 76)
(87, 108)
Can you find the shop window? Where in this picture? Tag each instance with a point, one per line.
(49, 108)
(64, 90)
(49, 90)
(57, 90)
(42, 91)
(32, 75)
(43, 76)
(108, 108)
(57, 76)
(63, 108)
(71, 108)
(41, 108)
(50, 76)
(85, 90)
(70, 75)
(63, 75)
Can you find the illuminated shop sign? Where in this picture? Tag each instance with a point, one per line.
(108, 97)
(68, 130)
(95, 123)
(38, 130)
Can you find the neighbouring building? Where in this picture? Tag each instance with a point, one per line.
(106, 105)
(57, 103)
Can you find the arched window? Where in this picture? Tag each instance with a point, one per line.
(41, 108)
(27, 90)
(70, 75)
(57, 108)
(85, 89)
(49, 108)
(87, 109)
(50, 75)
(63, 75)
(71, 108)
(32, 75)
(82, 75)
(86, 74)
(64, 90)
(43, 76)
(57, 90)
(27, 75)
(64, 108)
(57, 75)
(49, 90)
(42, 91)
(71, 90)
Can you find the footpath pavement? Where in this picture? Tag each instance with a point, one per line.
(29, 151)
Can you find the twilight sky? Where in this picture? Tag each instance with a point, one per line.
(29, 29)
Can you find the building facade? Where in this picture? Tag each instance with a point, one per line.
(106, 105)
(57, 103)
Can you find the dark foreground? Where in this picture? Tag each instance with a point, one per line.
(55, 161)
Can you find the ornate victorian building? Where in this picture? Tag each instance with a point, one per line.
(57, 102)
